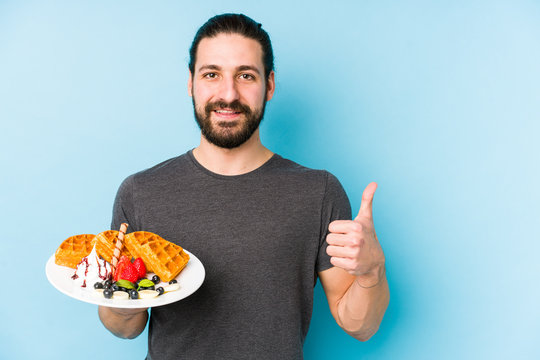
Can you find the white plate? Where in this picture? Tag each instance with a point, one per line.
(189, 279)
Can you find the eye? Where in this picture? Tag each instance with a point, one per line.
(210, 75)
(247, 77)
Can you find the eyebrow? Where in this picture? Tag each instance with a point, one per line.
(239, 68)
(248, 67)
(209, 67)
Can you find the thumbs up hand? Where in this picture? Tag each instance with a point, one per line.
(353, 244)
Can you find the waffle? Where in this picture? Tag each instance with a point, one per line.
(73, 249)
(160, 256)
(105, 244)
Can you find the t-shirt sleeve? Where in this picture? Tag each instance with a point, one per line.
(124, 207)
(335, 206)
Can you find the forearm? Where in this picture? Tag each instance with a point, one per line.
(361, 310)
(124, 323)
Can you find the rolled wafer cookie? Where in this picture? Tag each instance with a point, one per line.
(118, 247)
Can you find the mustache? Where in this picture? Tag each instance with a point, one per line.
(234, 106)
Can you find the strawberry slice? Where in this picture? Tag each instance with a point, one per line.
(128, 272)
(121, 264)
(141, 268)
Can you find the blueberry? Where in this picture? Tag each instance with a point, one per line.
(133, 294)
(148, 288)
(107, 293)
(160, 290)
(173, 281)
(98, 285)
(156, 279)
(115, 287)
(107, 284)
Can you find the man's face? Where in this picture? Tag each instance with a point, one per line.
(229, 89)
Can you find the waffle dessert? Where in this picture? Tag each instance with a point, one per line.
(73, 249)
(105, 244)
(160, 256)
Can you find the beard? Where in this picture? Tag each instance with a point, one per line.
(228, 134)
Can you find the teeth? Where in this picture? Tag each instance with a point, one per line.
(225, 112)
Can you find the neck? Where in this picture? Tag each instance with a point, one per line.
(240, 160)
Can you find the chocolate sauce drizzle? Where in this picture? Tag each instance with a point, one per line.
(101, 268)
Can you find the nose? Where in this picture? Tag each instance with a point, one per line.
(228, 90)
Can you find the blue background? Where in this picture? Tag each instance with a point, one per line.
(437, 101)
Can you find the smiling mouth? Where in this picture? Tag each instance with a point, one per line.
(226, 112)
(226, 115)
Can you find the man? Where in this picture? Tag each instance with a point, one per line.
(264, 227)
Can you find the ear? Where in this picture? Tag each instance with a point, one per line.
(270, 86)
(190, 85)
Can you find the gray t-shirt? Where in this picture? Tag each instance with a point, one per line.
(261, 238)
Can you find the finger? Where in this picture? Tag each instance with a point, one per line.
(344, 226)
(339, 240)
(366, 206)
(343, 263)
(339, 251)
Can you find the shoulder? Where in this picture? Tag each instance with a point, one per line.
(165, 168)
(320, 177)
(159, 173)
